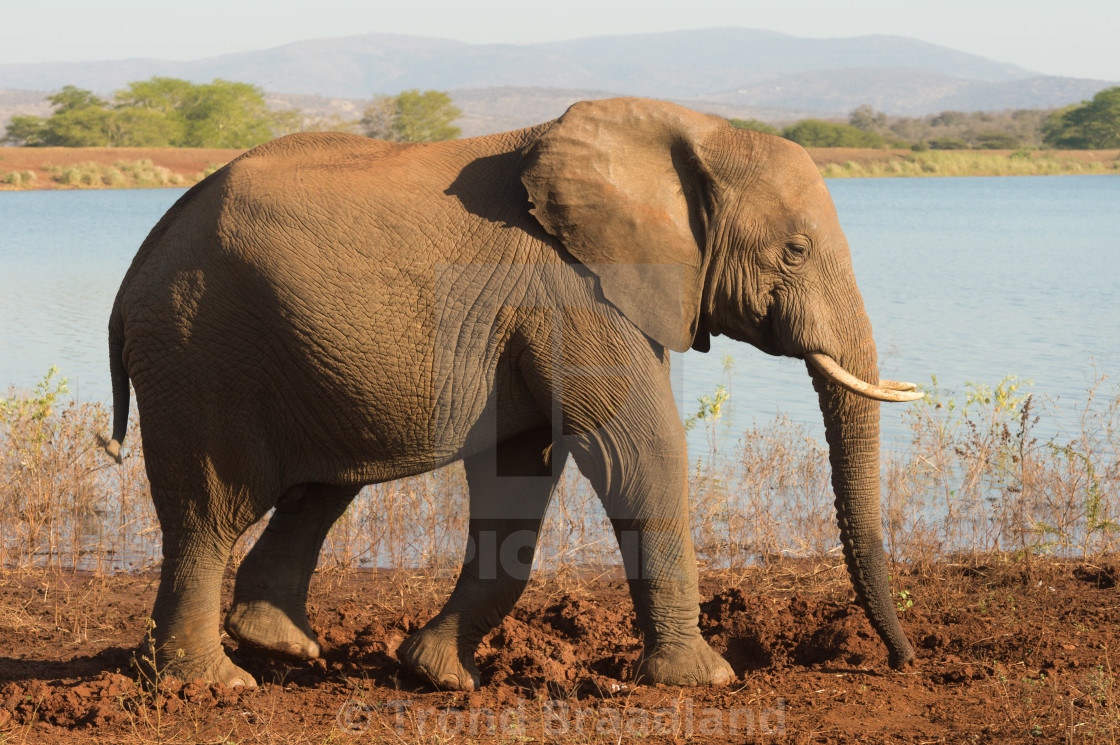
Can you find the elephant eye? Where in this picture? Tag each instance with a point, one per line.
(796, 252)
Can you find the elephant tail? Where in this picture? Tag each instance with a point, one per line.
(121, 392)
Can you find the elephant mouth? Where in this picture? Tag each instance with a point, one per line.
(884, 390)
(761, 332)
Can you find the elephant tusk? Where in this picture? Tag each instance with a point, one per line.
(891, 391)
(897, 385)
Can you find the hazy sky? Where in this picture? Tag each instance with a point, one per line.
(1074, 37)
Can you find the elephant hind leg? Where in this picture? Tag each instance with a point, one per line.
(510, 487)
(269, 611)
(184, 641)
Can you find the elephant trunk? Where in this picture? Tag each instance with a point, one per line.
(852, 430)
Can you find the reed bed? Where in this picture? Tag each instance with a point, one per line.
(972, 480)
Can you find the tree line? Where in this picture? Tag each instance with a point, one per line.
(168, 112)
(1089, 125)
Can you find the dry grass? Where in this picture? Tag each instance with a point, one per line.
(971, 163)
(63, 504)
(973, 480)
(976, 480)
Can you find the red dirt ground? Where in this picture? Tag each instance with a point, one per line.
(1007, 652)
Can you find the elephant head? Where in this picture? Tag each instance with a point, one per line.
(694, 228)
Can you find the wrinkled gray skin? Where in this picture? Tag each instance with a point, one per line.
(330, 311)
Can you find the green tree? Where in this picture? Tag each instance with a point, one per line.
(71, 98)
(88, 126)
(426, 117)
(818, 133)
(24, 130)
(165, 95)
(225, 114)
(142, 128)
(755, 124)
(158, 112)
(1092, 125)
(80, 119)
(411, 116)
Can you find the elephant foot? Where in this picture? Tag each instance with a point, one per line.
(266, 628)
(436, 655)
(219, 669)
(690, 663)
(226, 673)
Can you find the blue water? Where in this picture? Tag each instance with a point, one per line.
(62, 257)
(968, 279)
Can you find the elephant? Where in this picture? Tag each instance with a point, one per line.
(329, 311)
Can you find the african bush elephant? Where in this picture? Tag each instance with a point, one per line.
(329, 311)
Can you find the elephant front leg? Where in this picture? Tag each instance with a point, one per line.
(637, 462)
(269, 611)
(510, 486)
(660, 567)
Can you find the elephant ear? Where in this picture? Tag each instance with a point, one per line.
(620, 184)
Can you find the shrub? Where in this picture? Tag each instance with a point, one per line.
(121, 175)
(818, 133)
(948, 143)
(18, 178)
(144, 173)
(997, 141)
(754, 124)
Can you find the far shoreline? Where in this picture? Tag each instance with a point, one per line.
(45, 168)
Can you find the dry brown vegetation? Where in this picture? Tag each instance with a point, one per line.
(973, 480)
(861, 163)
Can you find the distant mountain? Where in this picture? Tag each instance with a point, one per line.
(487, 110)
(744, 70)
(906, 91)
(679, 63)
(23, 103)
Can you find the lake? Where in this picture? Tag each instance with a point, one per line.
(968, 279)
